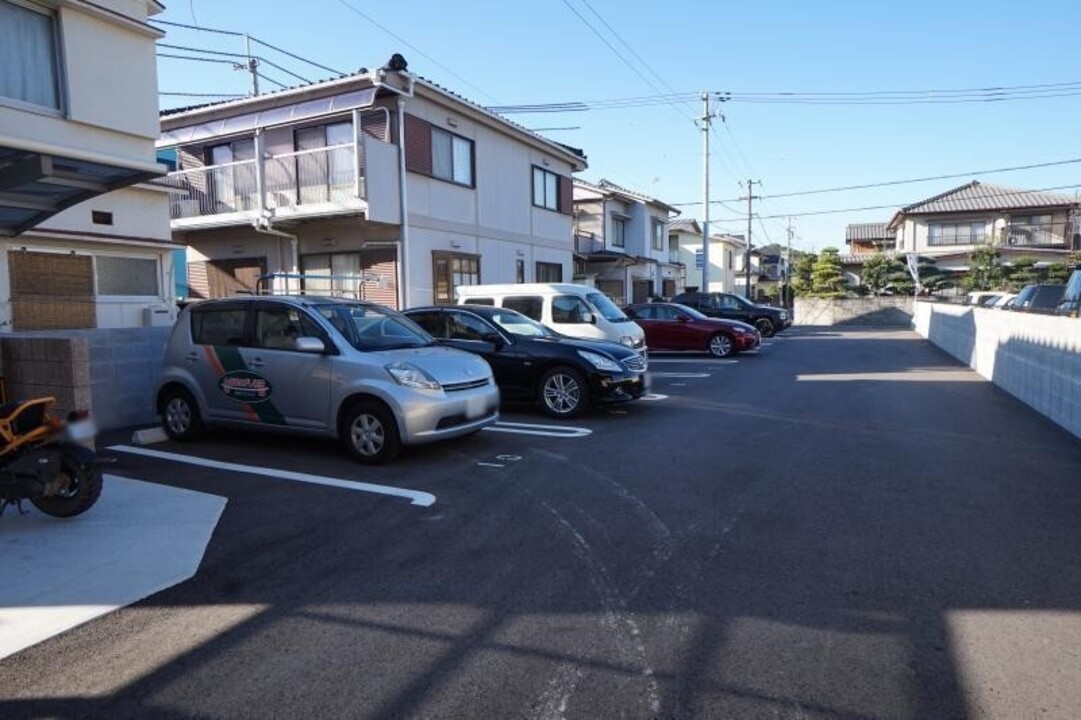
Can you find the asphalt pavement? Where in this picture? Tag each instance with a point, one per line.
(846, 524)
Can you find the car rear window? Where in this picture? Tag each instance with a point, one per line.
(218, 327)
(479, 301)
(532, 306)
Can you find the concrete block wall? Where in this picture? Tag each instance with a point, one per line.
(112, 373)
(41, 366)
(874, 311)
(1035, 358)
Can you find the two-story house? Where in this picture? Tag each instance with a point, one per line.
(725, 255)
(869, 238)
(378, 185)
(84, 243)
(1020, 223)
(622, 242)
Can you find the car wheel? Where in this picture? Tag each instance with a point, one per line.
(720, 345)
(765, 326)
(180, 415)
(370, 433)
(563, 392)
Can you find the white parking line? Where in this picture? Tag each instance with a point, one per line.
(706, 361)
(654, 397)
(560, 431)
(415, 497)
(680, 375)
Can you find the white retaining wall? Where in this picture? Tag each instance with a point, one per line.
(1035, 358)
(879, 311)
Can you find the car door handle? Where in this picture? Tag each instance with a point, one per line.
(257, 363)
(193, 357)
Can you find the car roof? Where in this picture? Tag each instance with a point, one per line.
(522, 288)
(298, 300)
(483, 310)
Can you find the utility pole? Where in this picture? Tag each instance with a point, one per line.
(751, 197)
(252, 66)
(786, 297)
(707, 119)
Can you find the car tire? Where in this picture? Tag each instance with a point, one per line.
(370, 432)
(180, 415)
(721, 346)
(563, 392)
(764, 326)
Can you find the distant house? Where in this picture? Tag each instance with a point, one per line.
(869, 238)
(379, 185)
(622, 242)
(769, 271)
(84, 240)
(1020, 223)
(725, 255)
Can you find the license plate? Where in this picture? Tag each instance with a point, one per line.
(476, 407)
(82, 430)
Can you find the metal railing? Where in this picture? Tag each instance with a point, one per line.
(323, 175)
(1026, 234)
(586, 243)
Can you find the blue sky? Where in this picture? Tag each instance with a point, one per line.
(504, 53)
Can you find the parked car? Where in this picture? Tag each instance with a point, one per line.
(1070, 305)
(670, 326)
(576, 310)
(1038, 298)
(533, 363)
(352, 370)
(768, 320)
(980, 297)
(1003, 302)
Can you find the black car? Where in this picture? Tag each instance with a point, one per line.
(532, 363)
(768, 320)
(1038, 298)
(1070, 305)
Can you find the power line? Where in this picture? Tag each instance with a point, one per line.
(188, 48)
(264, 43)
(410, 45)
(891, 183)
(287, 72)
(894, 206)
(196, 27)
(203, 95)
(198, 59)
(272, 80)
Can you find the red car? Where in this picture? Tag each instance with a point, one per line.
(670, 326)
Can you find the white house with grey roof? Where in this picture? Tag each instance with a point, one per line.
(622, 243)
(379, 185)
(726, 256)
(1020, 223)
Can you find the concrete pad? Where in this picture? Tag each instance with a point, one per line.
(140, 538)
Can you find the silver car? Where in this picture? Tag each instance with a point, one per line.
(352, 370)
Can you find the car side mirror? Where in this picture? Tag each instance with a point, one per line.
(495, 339)
(682, 318)
(588, 317)
(311, 345)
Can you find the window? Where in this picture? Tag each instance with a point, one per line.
(126, 276)
(452, 157)
(324, 164)
(519, 271)
(658, 235)
(223, 326)
(467, 327)
(673, 243)
(279, 328)
(28, 55)
(430, 321)
(490, 302)
(451, 271)
(532, 306)
(662, 312)
(968, 233)
(234, 187)
(546, 189)
(568, 309)
(730, 258)
(619, 232)
(549, 272)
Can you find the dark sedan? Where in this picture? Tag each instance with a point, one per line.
(671, 326)
(729, 306)
(532, 363)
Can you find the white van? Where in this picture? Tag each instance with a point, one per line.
(575, 310)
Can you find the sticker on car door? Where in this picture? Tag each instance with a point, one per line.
(245, 386)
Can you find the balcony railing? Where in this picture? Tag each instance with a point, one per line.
(290, 181)
(1036, 234)
(587, 243)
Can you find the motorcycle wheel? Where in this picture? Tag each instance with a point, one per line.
(83, 491)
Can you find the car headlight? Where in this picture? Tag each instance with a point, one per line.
(600, 361)
(784, 314)
(628, 341)
(411, 376)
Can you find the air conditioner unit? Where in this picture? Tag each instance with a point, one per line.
(158, 316)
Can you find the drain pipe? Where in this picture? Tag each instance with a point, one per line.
(266, 226)
(403, 285)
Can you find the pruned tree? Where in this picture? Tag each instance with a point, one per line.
(879, 271)
(985, 269)
(827, 275)
(802, 266)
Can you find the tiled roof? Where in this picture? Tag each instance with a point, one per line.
(867, 231)
(977, 196)
(687, 225)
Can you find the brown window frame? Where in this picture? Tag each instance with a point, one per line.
(558, 207)
(472, 158)
(438, 255)
(547, 266)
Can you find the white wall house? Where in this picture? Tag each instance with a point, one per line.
(622, 243)
(725, 255)
(313, 181)
(1020, 223)
(82, 243)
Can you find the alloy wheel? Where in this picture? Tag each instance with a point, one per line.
(367, 434)
(720, 346)
(178, 415)
(562, 393)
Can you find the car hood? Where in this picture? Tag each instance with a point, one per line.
(613, 350)
(728, 323)
(446, 365)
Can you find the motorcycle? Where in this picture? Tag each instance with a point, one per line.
(42, 460)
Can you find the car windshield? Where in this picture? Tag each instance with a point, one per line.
(690, 311)
(607, 309)
(518, 324)
(369, 327)
(743, 301)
